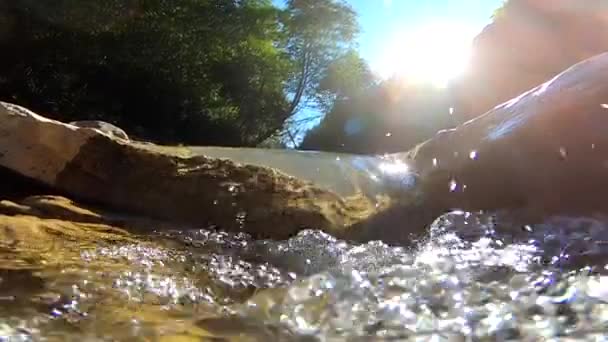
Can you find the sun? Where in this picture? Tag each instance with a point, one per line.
(434, 53)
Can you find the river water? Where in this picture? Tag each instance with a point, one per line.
(474, 277)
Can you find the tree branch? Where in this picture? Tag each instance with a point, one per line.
(306, 60)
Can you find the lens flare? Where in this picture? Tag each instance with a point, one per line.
(434, 53)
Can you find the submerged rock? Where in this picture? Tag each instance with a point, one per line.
(46, 230)
(63, 266)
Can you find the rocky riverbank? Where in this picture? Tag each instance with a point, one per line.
(543, 153)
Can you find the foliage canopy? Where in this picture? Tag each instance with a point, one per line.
(224, 72)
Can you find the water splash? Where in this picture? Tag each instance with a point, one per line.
(478, 276)
(473, 278)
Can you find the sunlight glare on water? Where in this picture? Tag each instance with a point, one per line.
(468, 280)
(476, 276)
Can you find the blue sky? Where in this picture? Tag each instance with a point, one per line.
(382, 20)
(388, 25)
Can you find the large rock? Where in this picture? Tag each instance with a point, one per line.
(546, 148)
(543, 153)
(529, 42)
(145, 179)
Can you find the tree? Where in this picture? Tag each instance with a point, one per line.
(212, 72)
(346, 77)
(389, 116)
(318, 33)
(187, 71)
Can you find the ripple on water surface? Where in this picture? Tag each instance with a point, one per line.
(477, 277)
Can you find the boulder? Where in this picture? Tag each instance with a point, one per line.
(529, 42)
(542, 153)
(151, 181)
(103, 126)
(546, 148)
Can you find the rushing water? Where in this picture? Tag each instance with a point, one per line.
(477, 277)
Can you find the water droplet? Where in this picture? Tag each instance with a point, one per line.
(593, 146)
(240, 218)
(397, 167)
(215, 202)
(388, 134)
(563, 153)
(453, 185)
(451, 110)
(604, 105)
(338, 158)
(473, 155)
(435, 162)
